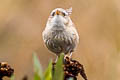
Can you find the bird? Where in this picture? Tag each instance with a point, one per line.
(60, 34)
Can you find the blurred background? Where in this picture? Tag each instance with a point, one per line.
(98, 24)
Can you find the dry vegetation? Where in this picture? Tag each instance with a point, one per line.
(97, 21)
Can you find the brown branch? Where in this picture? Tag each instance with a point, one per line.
(5, 70)
(72, 68)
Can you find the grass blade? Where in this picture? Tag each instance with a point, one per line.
(37, 68)
(59, 74)
(48, 72)
(12, 77)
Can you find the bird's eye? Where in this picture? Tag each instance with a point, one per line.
(63, 14)
(53, 13)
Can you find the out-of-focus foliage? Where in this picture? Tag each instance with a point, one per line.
(37, 68)
(48, 72)
(58, 74)
(12, 77)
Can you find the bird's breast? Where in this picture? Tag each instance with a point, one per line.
(57, 27)
(62, 36)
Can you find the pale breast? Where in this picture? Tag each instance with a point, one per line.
(60, 41)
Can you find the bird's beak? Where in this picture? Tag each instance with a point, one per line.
(58, 12)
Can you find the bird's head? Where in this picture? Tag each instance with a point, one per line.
(60, 17)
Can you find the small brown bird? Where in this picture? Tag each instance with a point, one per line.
(60, 34)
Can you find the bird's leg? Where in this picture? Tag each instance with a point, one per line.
(70, 54)
(57, 56)
(56, 59)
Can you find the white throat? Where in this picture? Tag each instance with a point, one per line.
(57, 23)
